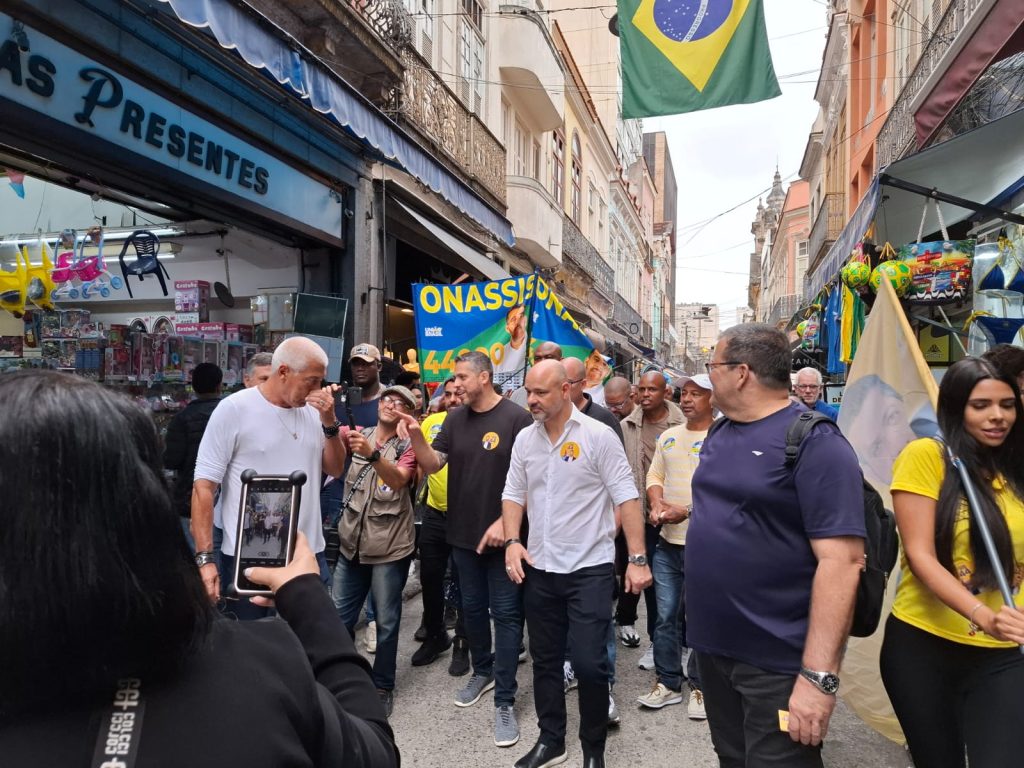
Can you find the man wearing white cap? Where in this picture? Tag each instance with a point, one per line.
(668, 493)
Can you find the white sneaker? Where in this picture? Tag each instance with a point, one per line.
(659, 697)
(695, 709)
(647, 660)
(371, 637)
(629, 636)
(613, 711)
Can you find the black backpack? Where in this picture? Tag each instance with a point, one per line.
(881, 546)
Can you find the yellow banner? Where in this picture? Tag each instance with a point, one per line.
(890, 399)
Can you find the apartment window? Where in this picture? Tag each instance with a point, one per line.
(474, 11)
(602, 217)
(521, 150)
(558, 167)
(577, 178)
(471, 67)
(538, 161)
(591, 209)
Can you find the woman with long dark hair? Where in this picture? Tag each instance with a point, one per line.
(950, 661)
(108, 639)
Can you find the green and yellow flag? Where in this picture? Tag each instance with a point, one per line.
(685, 55)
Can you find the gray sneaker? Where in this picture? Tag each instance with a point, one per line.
(477, 686)
(506, 729)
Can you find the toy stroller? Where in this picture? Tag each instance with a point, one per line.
(63, 275)
(92, 270)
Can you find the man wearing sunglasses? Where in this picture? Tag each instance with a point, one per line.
(376, 530)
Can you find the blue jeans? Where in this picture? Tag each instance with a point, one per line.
(488, 593)
(670, 630)
(353, 581)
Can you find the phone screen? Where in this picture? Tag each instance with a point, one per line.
(266, 531)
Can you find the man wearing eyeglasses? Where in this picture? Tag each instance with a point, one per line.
(618, 397)
(808, 388)
(576, 373)
(376, 530)
(773, 559)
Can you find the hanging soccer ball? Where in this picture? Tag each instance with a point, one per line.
(896, 272)
(855, 275)
(800, 328)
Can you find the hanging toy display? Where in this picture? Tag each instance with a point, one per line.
(13, 287)
(896, 272)
(63, 275)
(92, 270)
(800, 328)
(40, 280)
(940, 269)
(855, 274)
(809, 335)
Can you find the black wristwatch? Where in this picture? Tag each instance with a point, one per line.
(205, 558)
(826, 682)
(375, 456)
(330, 432)
(511, 541)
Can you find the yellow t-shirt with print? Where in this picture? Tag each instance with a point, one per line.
(920, 469)
(437, 483)
(676, 455)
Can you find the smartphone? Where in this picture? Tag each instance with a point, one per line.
(349, 397)
(268, 518)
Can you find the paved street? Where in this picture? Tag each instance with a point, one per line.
(433, 733)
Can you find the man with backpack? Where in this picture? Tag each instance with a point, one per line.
(775, 550)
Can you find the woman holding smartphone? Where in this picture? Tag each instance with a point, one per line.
(112, 650)
(950, 659)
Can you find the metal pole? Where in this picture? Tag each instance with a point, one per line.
(955, 334)
(974, 504)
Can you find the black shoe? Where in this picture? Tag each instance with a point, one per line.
(541, 756)
(459, 665)
(387, 698)
(451, 617)
(593, 761)
(421, 634)
(431, 649)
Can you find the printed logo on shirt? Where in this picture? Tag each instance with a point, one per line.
(570, 452)
(432, 433)
(758, 453)
(490, 441)
(669, 444)
(382, 486)
(695, 448)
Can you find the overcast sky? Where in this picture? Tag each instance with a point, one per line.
(725, 156)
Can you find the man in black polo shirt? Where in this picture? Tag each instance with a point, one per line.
(475, 442)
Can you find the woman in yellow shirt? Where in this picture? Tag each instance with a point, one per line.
(950, 661)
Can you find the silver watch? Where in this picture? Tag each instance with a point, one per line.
(826, 682)
(637, 559)
(205, 558)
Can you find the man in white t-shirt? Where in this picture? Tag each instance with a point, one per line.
(287, 423)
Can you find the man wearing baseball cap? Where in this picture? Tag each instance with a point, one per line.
(668, 493)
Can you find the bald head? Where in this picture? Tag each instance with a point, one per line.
(574, 368)
(547, 350)
(547, 392)
(546, 372)
(576, 372)
(618, 396)
(653, 389)
(617, 386)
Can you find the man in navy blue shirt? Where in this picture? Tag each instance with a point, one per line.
(808, 388)
(773, 556)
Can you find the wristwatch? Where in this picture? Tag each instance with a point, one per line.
(826, 682)
(509, 542)
(637, 559)
(205, 558)
(375, 456)
(333, 431)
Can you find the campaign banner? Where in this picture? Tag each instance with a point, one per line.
(504, 319)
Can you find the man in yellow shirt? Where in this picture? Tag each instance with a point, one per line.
(668, 493)
(434, 555)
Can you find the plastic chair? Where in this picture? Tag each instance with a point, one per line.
(147, 247)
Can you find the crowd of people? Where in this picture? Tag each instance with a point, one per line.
(543, 513)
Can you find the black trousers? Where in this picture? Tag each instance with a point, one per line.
(950, 697)
(434, 556)
(625, 610)
(574, 607)
(743, 703)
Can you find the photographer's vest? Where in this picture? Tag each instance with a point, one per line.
(376, 520)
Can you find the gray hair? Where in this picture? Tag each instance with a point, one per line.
(259, 360)
(814, 372)
(764, 349)
(298, 352)
(478, 361)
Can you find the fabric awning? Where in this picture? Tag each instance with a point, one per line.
(473, 257)
(979, 166)
(291, 65)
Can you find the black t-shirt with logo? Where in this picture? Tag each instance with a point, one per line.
(479, 448)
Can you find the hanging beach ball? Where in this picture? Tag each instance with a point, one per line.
(896, 272)
(855, 275)
(800, 328)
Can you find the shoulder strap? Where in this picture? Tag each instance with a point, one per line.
(798, 430)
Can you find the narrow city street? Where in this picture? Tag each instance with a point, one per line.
(433, 733)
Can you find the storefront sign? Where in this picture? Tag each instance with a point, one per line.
(64, 85)
(493, 318)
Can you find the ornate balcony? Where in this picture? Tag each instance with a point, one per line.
(898, 135)
(442, 122)
(579, 251)
(627, 318)
(828, 225)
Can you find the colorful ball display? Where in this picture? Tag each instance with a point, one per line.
(856, 274)
(896, 272)
(800, 328)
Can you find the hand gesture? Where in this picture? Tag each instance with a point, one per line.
(406, 424)
(494, 536)
(514, 556)
(672, 513)
(358, 445)
(323, 401)
(302, 563)
(654, 513)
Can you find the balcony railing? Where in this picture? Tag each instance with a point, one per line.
(646, 333)
(390, 19)
(784, 308)
(898, 134)
(828, 225)
(581, 252)
(441, 119)
(627, 318)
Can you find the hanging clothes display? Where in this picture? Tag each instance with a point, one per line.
(833, 331)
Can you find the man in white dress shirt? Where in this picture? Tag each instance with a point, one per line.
(570, 474)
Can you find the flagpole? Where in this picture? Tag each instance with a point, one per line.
(529, 322)
(974, 503)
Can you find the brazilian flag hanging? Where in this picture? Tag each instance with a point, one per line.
(685, 55)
